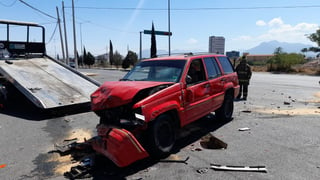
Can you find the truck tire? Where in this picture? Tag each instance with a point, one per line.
(225, 112)
(161, 136)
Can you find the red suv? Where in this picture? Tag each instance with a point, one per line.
(162, 94)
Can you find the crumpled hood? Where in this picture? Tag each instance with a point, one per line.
(116, 93)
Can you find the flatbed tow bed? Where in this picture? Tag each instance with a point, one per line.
(46, 82)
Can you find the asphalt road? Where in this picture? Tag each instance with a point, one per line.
(281, 116)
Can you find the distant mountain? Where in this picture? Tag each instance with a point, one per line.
(269, 47)
(263, 48)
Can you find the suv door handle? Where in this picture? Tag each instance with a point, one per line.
(223, 79)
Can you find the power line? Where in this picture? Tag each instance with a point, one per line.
(199, 9)
(37, 9)
(54, 31)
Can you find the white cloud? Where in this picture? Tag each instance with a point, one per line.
(261, 23)
(278, 30)
(192, 41)
(275, 22)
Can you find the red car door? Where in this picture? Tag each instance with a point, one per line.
(216, 82)
(197, 92)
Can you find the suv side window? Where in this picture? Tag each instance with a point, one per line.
(226, 65)
(213, 69)
(196, 72)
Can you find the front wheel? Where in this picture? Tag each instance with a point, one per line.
(161, 136)
(226, 110)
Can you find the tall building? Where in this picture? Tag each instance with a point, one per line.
(216, 44)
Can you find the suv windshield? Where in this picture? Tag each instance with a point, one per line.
(156, 70)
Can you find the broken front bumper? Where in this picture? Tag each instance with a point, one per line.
(119, 145)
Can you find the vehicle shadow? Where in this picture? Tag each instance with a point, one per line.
(105, 169)
(24, 109)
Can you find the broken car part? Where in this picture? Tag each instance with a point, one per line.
(239, 168)
(80, 171)
(244, 129)
(211, 142)
(175, 160)
(202, 170)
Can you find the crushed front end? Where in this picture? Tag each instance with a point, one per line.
(121, 128)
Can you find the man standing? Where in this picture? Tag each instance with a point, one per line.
(244, 74)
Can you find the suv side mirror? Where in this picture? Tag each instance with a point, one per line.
(189, 79)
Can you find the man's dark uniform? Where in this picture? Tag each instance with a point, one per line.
(244, 74)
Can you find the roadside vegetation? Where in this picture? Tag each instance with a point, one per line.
(283, 62)
(280, 62)
(292, 62)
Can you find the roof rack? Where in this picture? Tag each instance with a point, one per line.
(185, 54)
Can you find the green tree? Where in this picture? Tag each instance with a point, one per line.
(153, 49)
(315, 37)
(130, 59)
(117, 57)
(304, 51)
(111, 58)
(282, 61)
(89, 59)
(278, 50)
(78, 58)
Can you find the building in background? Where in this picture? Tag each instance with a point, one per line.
(216, 44)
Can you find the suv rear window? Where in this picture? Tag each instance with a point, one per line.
(226, 65)
(213, 69)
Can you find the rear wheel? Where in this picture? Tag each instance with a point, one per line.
(161, 136)
(226, 110)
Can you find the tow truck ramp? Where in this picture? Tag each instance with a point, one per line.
(48, 83)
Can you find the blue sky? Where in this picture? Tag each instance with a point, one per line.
(243, 23)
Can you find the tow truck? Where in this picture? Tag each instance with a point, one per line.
(25, 68)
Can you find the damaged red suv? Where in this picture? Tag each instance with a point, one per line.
(160, 95)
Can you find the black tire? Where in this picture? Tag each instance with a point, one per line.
(161, 136)
(225, 112)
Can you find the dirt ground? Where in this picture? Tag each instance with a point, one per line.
(309, 68)
(64, 163)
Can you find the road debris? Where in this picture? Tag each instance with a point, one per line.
(239, 168)
(210, 142)
(65, 146)
(286, 103)
(196, 149)
(8, 62)
(244, 129)
(81, 171)
(202, 170)
(175, 160)
(246, 111)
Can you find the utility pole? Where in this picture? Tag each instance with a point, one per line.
(61, 38)
(74, 37)
(169, 41)
(140, 45)
(65, 34)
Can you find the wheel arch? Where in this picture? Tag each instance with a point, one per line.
(173, 113)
